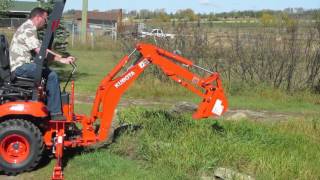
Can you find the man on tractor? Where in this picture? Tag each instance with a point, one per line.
(24, 46)
(24, 127)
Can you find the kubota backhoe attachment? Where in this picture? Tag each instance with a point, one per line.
(111, 88)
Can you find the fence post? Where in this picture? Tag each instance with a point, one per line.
(73, 34)
(115, 30)
(92, 40)
(84, 21)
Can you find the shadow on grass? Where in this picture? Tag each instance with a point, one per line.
(125, 128)
(217, 128)
(71, 153)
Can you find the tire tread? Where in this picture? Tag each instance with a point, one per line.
(37, 137)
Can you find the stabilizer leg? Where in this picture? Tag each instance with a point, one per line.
(58, 150)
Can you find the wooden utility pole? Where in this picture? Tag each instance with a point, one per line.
(84, 21)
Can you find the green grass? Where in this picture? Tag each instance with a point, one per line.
(256, 102)
(287, 150)
(103, 164)
(267, 98)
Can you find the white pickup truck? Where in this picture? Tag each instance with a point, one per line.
(156, 33)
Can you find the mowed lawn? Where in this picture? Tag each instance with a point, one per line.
(173, 146)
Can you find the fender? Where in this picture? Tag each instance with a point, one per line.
(36, 109)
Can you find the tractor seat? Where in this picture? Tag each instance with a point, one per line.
(22, 81)
(5, 72)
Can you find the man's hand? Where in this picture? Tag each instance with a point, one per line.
(67, 60)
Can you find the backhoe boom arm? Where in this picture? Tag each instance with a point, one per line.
(175, 67)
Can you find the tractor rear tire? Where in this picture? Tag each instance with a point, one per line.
(21, 146)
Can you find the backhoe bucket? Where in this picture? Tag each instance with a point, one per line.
(214, 103)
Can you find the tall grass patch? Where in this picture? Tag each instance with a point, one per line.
(193, 148)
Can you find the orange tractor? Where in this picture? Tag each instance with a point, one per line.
(25, 126)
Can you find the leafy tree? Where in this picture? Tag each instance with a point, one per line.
(290, 23)
(145, 14)
(187, 14)
(267, 19)
(163, 17)
(212, 17)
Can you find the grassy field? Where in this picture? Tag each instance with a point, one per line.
(173, 146)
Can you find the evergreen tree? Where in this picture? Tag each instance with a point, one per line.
(60, 43)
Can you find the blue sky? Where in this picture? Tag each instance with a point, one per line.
(196, 5)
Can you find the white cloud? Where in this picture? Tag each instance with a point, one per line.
(204, 2)
(208, 3)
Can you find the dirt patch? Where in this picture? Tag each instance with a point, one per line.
(260, 115)
(239, 114)
(126, 102)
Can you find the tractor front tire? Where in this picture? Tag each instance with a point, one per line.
(21, 146)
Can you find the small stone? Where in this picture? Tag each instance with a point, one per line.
(228, 174)
(207, 178)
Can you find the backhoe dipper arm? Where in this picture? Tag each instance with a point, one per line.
(111, 87)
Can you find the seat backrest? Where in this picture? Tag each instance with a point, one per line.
(5, 74)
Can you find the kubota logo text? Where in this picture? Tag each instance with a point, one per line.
(124, 79)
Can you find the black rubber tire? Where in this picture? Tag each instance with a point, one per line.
(34, 137)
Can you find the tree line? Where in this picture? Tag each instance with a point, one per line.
(189, 14)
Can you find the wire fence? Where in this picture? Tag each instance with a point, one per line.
(93, 31)
(12, 23)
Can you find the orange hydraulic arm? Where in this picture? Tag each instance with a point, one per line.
(113, 85)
